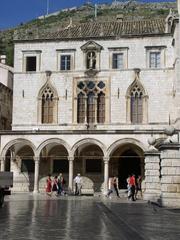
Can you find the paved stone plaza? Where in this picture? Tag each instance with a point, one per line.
(29, 217)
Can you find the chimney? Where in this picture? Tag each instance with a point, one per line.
(120, 17)
(3, 59)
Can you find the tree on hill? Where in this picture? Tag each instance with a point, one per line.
(1, 47)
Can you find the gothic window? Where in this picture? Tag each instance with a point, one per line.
(47, 106)
(91, 102)
(137, 103)
(91, 108)
(91, 60)
(81, 108)
(136, 106)
(101, 108)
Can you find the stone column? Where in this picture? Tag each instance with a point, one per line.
(36, 175)
(152, 175)
(170, 174)
(106, 174)
(2, 160)
(71, 161)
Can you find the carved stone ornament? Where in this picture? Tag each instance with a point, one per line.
(91, 72)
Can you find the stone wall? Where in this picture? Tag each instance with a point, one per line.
(158, 83)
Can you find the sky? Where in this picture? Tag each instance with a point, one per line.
(15, 12)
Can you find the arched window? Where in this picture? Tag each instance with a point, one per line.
(81, 108)
(136, 105)
(101, 108)
(47, 105)
(91, 102)
(90, 108)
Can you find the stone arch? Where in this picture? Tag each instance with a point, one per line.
(126, 156)
(53, 140)
(16, 141)
(48, 84)
(133, 84)
(124, 141)
(88, 141)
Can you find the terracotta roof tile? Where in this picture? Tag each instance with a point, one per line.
(98, 30)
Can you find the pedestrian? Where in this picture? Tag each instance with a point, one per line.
(132, 183)
(138, 186)
(49, 185)
(113, 186)
(128, 186)
(61, 183)
(55, 185)
(78, 184)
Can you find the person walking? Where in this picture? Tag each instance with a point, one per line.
(113, 186)
(138, 186)
(49, 185)
(61, 183)
(78, 184)
(132, 183)
(55, 185)
(128, 186)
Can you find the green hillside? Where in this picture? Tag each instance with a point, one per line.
(130, 10)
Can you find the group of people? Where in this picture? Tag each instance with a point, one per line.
(134, 186)
(55, 185)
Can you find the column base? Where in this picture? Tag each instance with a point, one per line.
(151, 196)
(35, 191)
(171, 200)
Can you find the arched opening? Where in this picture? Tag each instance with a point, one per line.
(88, 162)
(24, 163)
(19, 159)
(129, 163)
(53, 160)
(126, 160)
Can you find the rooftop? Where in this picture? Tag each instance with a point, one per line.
(95, 30)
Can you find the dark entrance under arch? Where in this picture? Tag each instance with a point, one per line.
(129, 163)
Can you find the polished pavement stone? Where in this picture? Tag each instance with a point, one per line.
(29, 217)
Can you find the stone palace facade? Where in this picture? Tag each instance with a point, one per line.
(6, 87)
(100, 99)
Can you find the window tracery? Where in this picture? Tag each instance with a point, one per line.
(91, 102)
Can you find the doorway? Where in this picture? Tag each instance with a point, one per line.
(129, 163)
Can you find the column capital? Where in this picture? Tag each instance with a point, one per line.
(36, 159)
(106, 159)
(70, 158)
